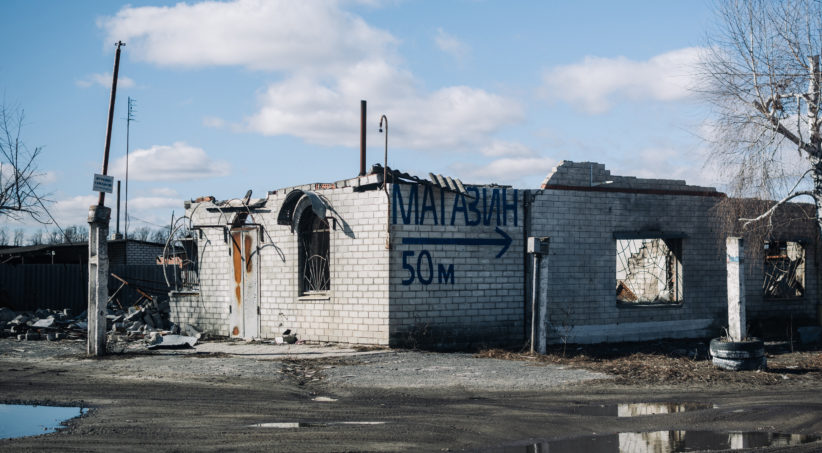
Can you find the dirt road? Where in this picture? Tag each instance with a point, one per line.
(233, 396)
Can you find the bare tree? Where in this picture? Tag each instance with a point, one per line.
(160, 235)
(74, 233)
(763, 77)
(18, 170)
(141, 234)
(18, 237)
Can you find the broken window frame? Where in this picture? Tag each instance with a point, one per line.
(779, 267)
(314, 251)
(666, 271)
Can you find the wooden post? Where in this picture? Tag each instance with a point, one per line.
(736, 289)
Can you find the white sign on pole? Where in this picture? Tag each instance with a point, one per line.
(103, 183)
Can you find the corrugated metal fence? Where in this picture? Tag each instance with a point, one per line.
(57, 286)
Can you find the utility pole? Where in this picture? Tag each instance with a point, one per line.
(129, 119)
(98, 220)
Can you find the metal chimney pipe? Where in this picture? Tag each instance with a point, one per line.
(362, 138)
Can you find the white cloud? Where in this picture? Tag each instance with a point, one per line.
(167, 163)
(451, 45)
(327, 113)
(523, 171)
(148, 203)
(164, 192)
(74, 210)
(277, 35)
(104, 80)
(596, 83)
(499, 148)
(328, 60)
(669, 161)
(46, 177)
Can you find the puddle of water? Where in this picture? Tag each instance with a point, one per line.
(638, 409)
(285, 425)
(667, 442)
(17, 420)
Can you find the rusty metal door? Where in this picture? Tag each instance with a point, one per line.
(244, 317)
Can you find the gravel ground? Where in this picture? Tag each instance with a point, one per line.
(410, 369)
(224, 395)
(336, 366)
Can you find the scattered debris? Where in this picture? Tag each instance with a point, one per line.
(42, 324)
(173, 342)
(147, 318)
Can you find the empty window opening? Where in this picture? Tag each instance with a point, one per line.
(784, 270)
(649, 271)
(315, 276)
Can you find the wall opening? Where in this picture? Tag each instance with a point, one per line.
(314, 246)
(784, 270)
(649, 271)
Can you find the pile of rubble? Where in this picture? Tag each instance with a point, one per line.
(43, 324)
(147, 319)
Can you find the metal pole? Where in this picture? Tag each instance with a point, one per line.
(385, 186)
(362, 137)
(129, 119)
(101, 201)
(534, 300)
(117, 231)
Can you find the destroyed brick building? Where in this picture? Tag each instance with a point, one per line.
(434, 262)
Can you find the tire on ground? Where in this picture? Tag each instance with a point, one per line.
(738, 355)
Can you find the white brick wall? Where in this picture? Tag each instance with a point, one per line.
(355, 310)
(484, 300)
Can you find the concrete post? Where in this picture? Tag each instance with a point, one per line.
(534, 300)
(538, 248)
(736, 289)
(542, 298)
(98, 220)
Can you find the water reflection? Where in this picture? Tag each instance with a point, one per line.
(667, 442)
(638, 409)
(18, 420)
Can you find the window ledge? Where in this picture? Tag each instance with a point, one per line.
(315, 297)
(649, 305)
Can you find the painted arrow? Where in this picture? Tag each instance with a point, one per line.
(505, 241)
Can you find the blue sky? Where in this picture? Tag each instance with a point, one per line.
(253, 94)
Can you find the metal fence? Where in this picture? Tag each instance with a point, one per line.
(27, 287)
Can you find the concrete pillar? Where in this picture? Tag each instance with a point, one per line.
(538, 248)
(98, 220)
(542, 304)
(736, 288)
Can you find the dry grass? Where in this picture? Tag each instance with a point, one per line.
(673, 362)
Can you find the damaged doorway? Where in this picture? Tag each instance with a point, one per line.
(244, 315)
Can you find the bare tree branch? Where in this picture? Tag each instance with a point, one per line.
(19, 184)
(761, 73)
(769, 212)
